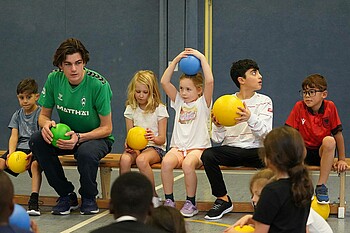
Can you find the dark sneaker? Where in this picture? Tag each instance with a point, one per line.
(73, 201)
(89, 206)
(33, 206)
(220, 208)
(322, 194)
(65, 205)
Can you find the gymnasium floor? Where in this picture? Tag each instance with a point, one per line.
(237, 182)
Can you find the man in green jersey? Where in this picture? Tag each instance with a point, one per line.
(82, 99)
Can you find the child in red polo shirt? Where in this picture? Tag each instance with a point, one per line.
(319, 124)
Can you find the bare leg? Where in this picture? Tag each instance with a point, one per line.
(144, 162)
(126, 160)
(327, 152)
(36, 177)
(170, 161)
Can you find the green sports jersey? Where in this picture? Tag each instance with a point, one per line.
(79, 106)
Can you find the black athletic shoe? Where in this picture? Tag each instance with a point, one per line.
(33, 205)
(219, 208)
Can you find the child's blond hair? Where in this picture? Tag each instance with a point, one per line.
(262, 177)
(149, 79)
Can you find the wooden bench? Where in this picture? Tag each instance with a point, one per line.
(112, 161)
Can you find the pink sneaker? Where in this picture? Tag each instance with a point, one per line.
(169, 202)
(189, 210)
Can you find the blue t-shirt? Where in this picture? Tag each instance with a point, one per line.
(26, 126)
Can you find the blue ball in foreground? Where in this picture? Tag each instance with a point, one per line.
(20, 218)
(190, 65)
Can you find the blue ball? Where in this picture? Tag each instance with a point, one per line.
(20, 218)
(190, 65)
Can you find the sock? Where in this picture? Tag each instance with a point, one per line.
(192, 199)
(169, 196)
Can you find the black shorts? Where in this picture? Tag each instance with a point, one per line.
(4, 157)
(312, 157)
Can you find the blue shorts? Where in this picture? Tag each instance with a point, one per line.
(160, 151)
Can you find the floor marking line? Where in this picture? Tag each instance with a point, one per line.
(210, 223)
(86, 222)
(175, 179)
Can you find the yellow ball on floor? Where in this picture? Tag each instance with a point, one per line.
(136, 139)
(225, 109)
(321, 209)
(17, 161)
(245, 228)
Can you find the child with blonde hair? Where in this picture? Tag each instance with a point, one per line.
(144, 108)
(192, 104)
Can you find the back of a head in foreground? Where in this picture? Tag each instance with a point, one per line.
(6, 200)
(131, 194)
(168, 219)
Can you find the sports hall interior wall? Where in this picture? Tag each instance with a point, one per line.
(289, 40)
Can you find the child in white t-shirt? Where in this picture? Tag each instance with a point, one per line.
(192, 104)
(145, 109)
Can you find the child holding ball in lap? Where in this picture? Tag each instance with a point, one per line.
(144, 108)
(192, 104)
(23, 124)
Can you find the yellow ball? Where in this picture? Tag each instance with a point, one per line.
(17, 161)
(136, 138)
(245, 228)
(321, 209)
(225, 109)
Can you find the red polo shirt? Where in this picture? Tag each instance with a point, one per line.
(314, 127)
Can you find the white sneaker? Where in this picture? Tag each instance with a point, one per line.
(156, 201)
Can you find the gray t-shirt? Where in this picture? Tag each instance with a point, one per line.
(26, 125)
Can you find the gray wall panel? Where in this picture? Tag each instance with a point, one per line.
(289, 40)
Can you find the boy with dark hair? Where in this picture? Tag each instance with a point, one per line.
(318, 122)
(23, 124)
(241, 142)
(82, 99)
(131, 203)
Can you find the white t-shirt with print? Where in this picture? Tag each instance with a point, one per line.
(190, 124)
(148, 120)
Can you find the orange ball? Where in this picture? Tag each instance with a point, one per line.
(225, 109)
(17, 161)
(136, 139)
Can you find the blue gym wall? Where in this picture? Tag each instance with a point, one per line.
(289, 40)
